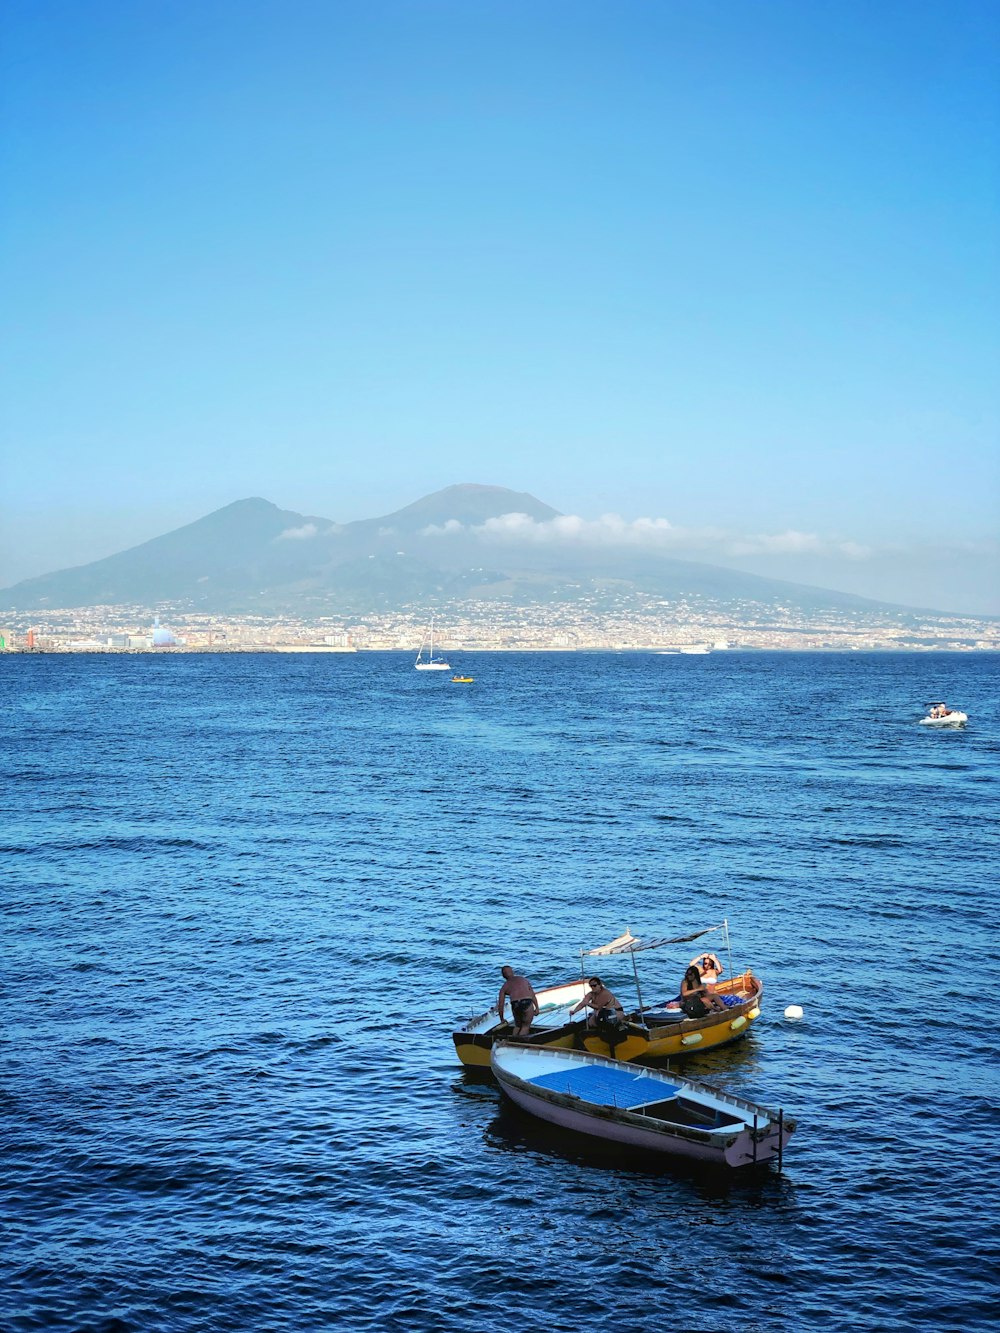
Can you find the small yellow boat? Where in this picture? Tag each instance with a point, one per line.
(654, 1032)
(462, 680)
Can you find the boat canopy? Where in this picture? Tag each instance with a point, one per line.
(629, 943)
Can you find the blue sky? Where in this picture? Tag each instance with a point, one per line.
(733, 265)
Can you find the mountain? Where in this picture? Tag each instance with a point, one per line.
(231, 549)
(469, 505)
(252, 557)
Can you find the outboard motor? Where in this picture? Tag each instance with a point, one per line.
(611, 1029)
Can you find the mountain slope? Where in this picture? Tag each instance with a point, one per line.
(467, 504)
(226, 548)
(252, 556)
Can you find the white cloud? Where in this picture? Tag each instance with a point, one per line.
(302, 533)
(855, 551)
(779, 543)
(712, 544)
(451, 527)
(647, 534)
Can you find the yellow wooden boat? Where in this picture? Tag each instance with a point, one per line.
(655, 1032)
(462, 680)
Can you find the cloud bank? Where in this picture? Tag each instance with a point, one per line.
(646, 534)
(299, 534)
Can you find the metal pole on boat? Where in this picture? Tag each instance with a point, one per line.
(781, 1126)
(638, 988)
(729, 949)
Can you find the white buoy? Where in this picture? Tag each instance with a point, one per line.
(793, 1011)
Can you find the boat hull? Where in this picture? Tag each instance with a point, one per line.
(636, 1041)
(949, 720)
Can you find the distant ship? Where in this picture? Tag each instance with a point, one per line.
(330, 643)
(314, 648)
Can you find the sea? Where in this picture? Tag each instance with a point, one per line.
(246, 899)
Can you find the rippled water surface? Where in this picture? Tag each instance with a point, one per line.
(246, 899)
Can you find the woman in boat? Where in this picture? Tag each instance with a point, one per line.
(601, 1003)
(709, 969)
(696, 999)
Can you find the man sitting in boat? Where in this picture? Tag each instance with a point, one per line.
(709, 967)
(940, 710)
(601, 1002)
(523, 1001)
(696, 999)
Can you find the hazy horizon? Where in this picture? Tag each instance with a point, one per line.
(766, 554)
(720, 279)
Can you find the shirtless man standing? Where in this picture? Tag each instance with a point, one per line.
(523, 1002)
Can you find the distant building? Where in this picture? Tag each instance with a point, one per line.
(163, 637)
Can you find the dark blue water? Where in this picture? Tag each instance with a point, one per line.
(247, 898)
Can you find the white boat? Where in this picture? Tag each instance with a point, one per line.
(430, 663)
(641, 1109)
(943, 716)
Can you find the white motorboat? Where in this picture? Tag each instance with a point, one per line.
(430, 663)
(943, 716)
(640, 1109)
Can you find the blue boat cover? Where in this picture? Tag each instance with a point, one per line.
(606, 1087)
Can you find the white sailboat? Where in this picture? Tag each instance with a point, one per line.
(431, 663)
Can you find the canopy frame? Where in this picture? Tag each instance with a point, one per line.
(632, 944)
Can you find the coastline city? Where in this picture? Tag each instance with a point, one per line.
(696, 626)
